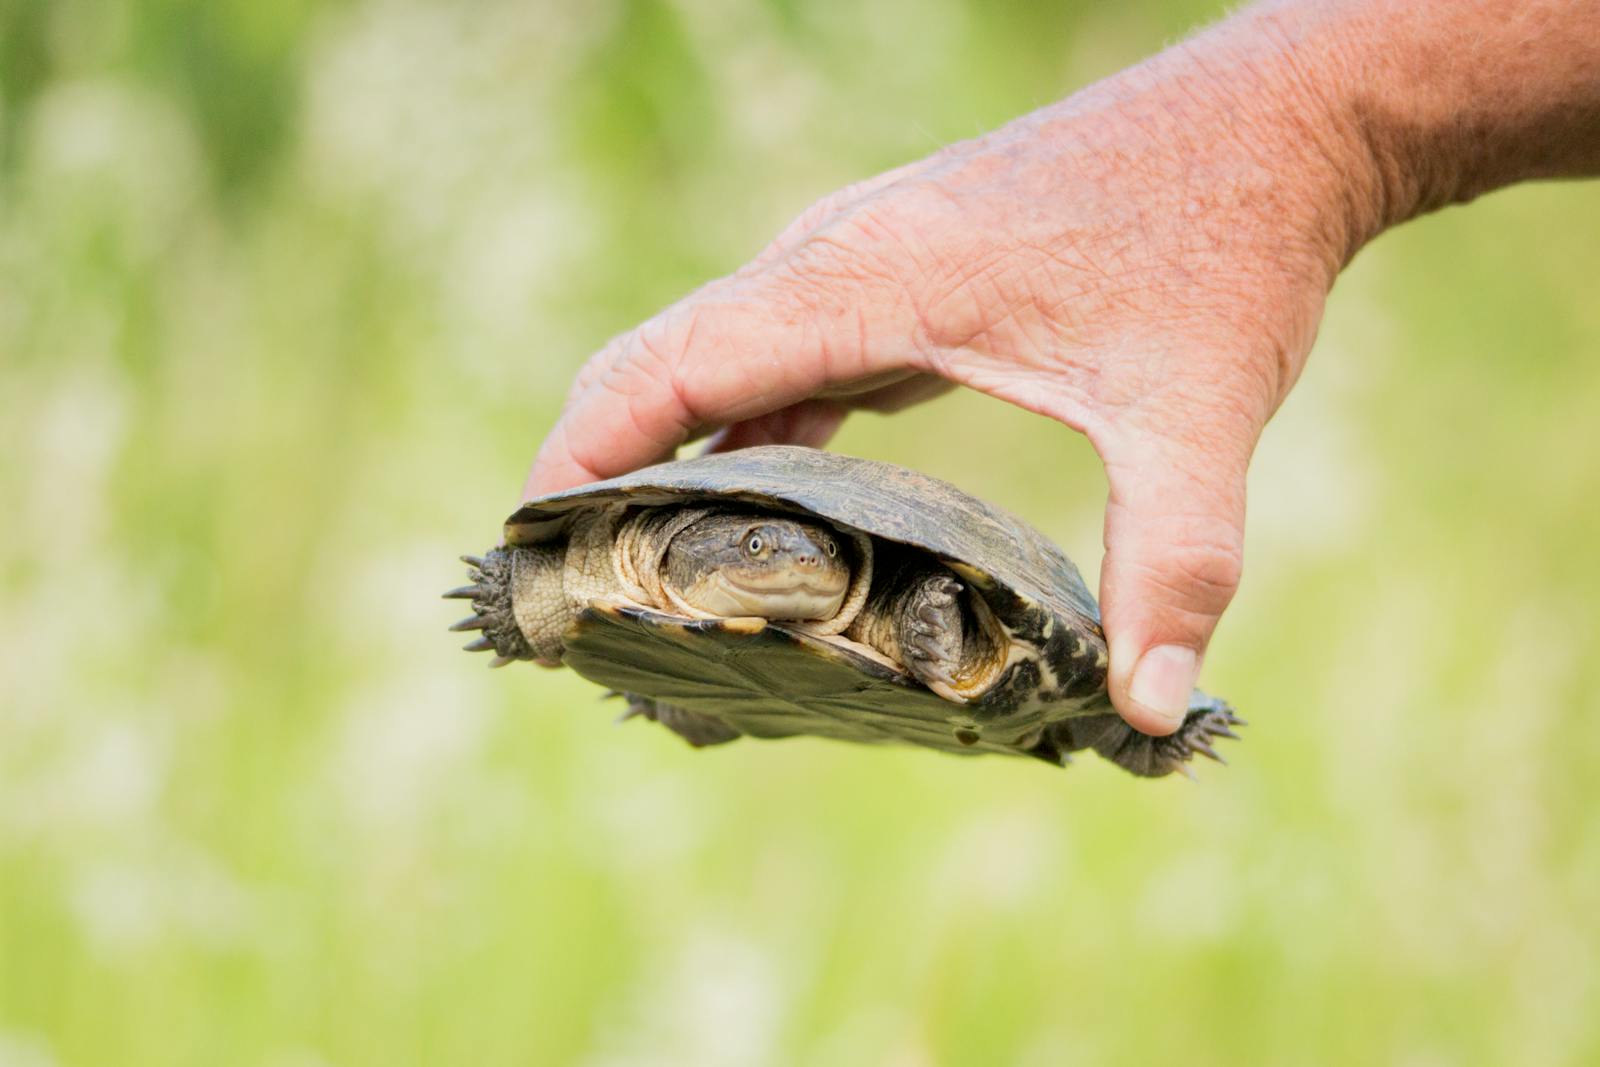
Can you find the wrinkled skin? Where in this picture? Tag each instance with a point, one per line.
(731, 565)
(1145, 262)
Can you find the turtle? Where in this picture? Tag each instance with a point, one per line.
(777, 591)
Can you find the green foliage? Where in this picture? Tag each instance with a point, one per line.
(288, 293)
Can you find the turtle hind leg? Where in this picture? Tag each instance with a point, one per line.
(1143, 755)
(694, 727)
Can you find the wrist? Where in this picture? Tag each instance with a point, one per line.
(1279, 75)
(1436, 102)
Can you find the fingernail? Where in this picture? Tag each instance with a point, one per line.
(1164, 680)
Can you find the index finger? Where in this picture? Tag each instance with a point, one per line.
(731, 352)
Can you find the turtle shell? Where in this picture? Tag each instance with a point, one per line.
(769, 680)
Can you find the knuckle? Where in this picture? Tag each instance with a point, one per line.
(664, 347)
(657, 347)
(840, 259)
(598, 367)
(808, 221)
(1212, 569)
(967, 267)
(966, 297)
(818, 214)
(896, 237)
(648, 374)
(837, 293)
(1199, 570)
(913, 249)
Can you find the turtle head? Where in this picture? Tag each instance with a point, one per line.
(777, 568)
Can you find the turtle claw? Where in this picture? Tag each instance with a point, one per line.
(465, 592)
(930, 635)
(501, 661)
(940, 592)
(1149, 757)
(920, 639)
(471, 622)
(942, 687)
(638, 706)
(925, 666)
(482, 644)
(1196, 734)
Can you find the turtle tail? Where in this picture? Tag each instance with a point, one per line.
(1148, 757)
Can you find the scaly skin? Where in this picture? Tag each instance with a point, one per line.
(688, 561)
(734, 564)
(711, 563)
(914, 617)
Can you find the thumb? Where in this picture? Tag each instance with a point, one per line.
(1174, 550)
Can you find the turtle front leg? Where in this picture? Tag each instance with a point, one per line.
(932, 633)
(914, 617)
(1149, 757)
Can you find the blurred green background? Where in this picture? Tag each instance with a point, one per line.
(289, 292)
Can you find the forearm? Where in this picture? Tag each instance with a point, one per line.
(1329, 121)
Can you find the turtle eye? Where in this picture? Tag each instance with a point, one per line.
(754, 545)
(831, 548)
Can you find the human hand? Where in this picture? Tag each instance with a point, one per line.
(1145, 262)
